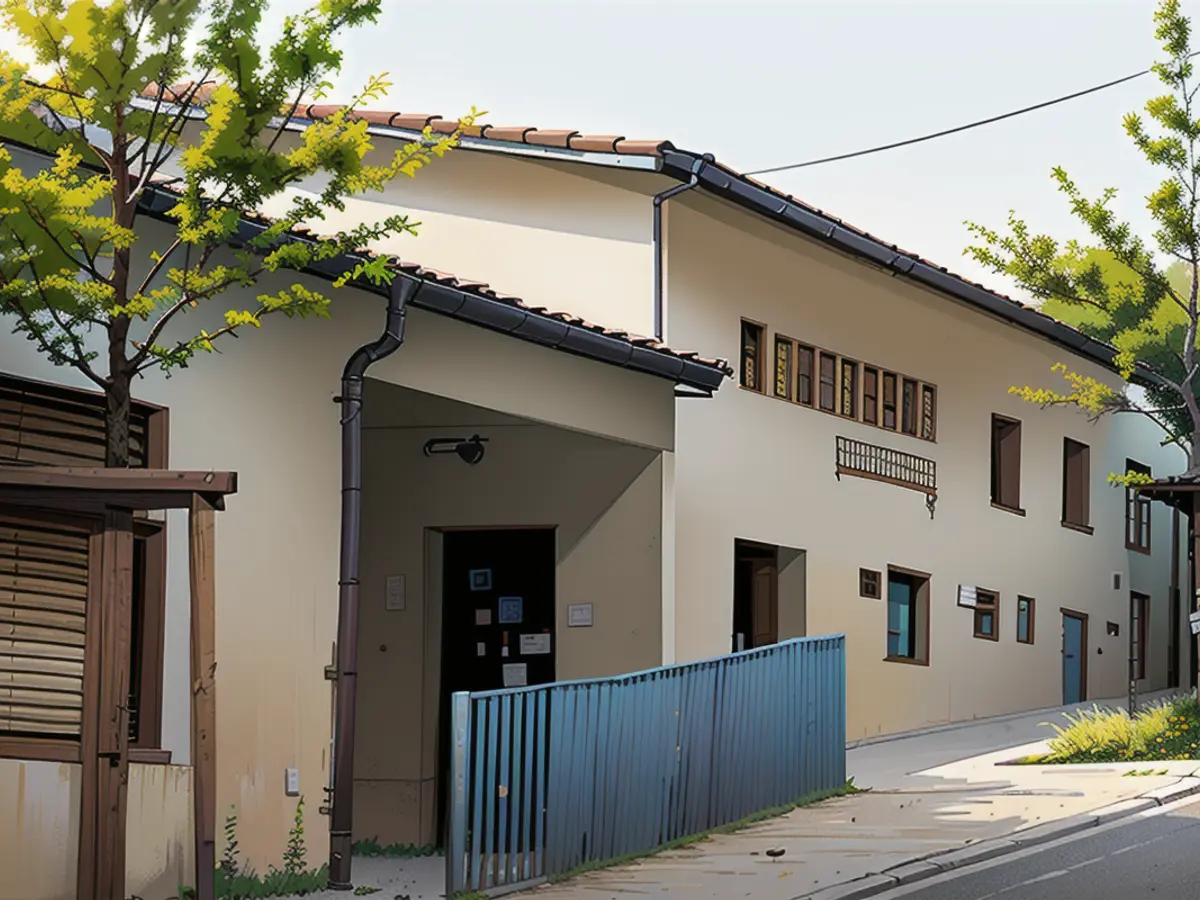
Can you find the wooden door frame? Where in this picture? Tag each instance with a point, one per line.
(1083, 669)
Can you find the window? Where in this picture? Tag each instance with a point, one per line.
(868, 584)
(752, 361)
(1137, 512)
(849, 405)
(870, 395)
(907, 616)
(1139, 612)
(889, 401)
(1025, 616)
(828, 382)
(1077, 475)
(928, 412)
(65, 427)
(1006, 463)
(783, 368)
(987, 615)
(908, 418)
(804, 375)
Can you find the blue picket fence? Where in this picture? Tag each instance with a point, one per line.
(547, 778)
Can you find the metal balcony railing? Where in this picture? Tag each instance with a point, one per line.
(907, 470)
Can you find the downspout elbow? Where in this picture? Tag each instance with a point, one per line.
(658, 201)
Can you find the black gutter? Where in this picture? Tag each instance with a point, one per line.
(743, 192)
(490, 313)
(656, 237)
(401, 293)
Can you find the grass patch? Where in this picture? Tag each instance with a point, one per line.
(372, 847)
(1167, 730)
(808, 800)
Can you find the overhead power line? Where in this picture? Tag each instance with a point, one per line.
(938, 134)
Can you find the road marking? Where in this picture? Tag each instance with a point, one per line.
(1007, 858)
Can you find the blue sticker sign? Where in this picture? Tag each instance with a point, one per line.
(511, 610)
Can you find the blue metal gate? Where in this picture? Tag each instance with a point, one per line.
(545, 779)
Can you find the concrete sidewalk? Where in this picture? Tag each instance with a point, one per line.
(937, 799)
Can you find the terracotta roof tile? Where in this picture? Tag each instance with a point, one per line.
(512, 133)
(548, 138)
(595, 143)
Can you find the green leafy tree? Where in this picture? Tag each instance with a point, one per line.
(75, 273)
(1138, 295)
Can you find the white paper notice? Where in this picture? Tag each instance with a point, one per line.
(481, 649)
(515, 675)
(579, 615)
(532, 644)
(394, 601)
(504, 651)
(483, 617)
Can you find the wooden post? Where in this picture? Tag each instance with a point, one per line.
(101, 872)
(1194, 601)
(201, 547)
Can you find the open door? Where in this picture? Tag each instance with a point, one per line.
(755, 595)
(1074, 657)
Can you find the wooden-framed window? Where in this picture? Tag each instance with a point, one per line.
(1006, 463)
(908, 415)
(752, 356)
(1137, 512)
(828, 382)
(987, 615)
(870, 395)
(849, 394)
(41, 575)
(907, 616)
(783, 368)
(889, 401)
(1076, 492)
(804, 374)
(1026, 607)
(869, 584)
(1139, 612)
(928, 412)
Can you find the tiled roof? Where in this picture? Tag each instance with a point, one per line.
(519, 134)
(681, 163)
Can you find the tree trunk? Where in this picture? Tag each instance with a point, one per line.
(116, 393)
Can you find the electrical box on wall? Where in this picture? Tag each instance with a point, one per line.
(1116, 581)
(291, 782)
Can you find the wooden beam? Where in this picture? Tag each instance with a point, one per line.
(126, 480)
(201, 547)
(96, 502)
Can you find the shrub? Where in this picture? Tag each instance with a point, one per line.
(1165, 730)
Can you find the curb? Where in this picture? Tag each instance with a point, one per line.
(923, 867)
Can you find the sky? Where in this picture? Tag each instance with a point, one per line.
(761, 83)
(766, 82)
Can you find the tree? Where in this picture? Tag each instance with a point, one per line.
(71, 260)
(1138, 296)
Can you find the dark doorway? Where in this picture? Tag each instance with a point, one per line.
(755, 595)
(497, 612)
(1074, 657)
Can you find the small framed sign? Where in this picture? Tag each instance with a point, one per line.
(579, 615)
(534, 644)
(967, 596)
(481, 579)
(511, 610)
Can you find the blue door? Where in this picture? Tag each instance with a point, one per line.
(1074, 646)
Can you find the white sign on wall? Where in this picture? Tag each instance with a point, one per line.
(394, 595)
(1194, 621)
(579, 615)
(967, 596)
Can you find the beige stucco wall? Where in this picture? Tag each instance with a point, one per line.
(264, 408)
(39, 830)
(604, 499)
(754, 467)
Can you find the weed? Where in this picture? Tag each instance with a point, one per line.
(372, 847)
(1162, 731)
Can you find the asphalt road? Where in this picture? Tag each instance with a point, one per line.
(1156, 857)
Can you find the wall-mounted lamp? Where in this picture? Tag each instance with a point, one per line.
(469, 450)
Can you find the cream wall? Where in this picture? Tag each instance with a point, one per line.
(603, 497)
(264, 408)
(751, 466)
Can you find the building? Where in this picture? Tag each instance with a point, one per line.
(867, 474)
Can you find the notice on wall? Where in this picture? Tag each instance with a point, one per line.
(511, 610)
(534, 644)
(967, 596)
(483, 617)
(1194, 621)
(481, 649)
(394, 593)
(515, 675)
(579, 615)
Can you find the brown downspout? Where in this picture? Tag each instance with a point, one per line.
(400, 293)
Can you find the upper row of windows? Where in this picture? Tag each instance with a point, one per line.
(838, 385)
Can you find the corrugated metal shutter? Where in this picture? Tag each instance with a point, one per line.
(44, 425)
(43, 605)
